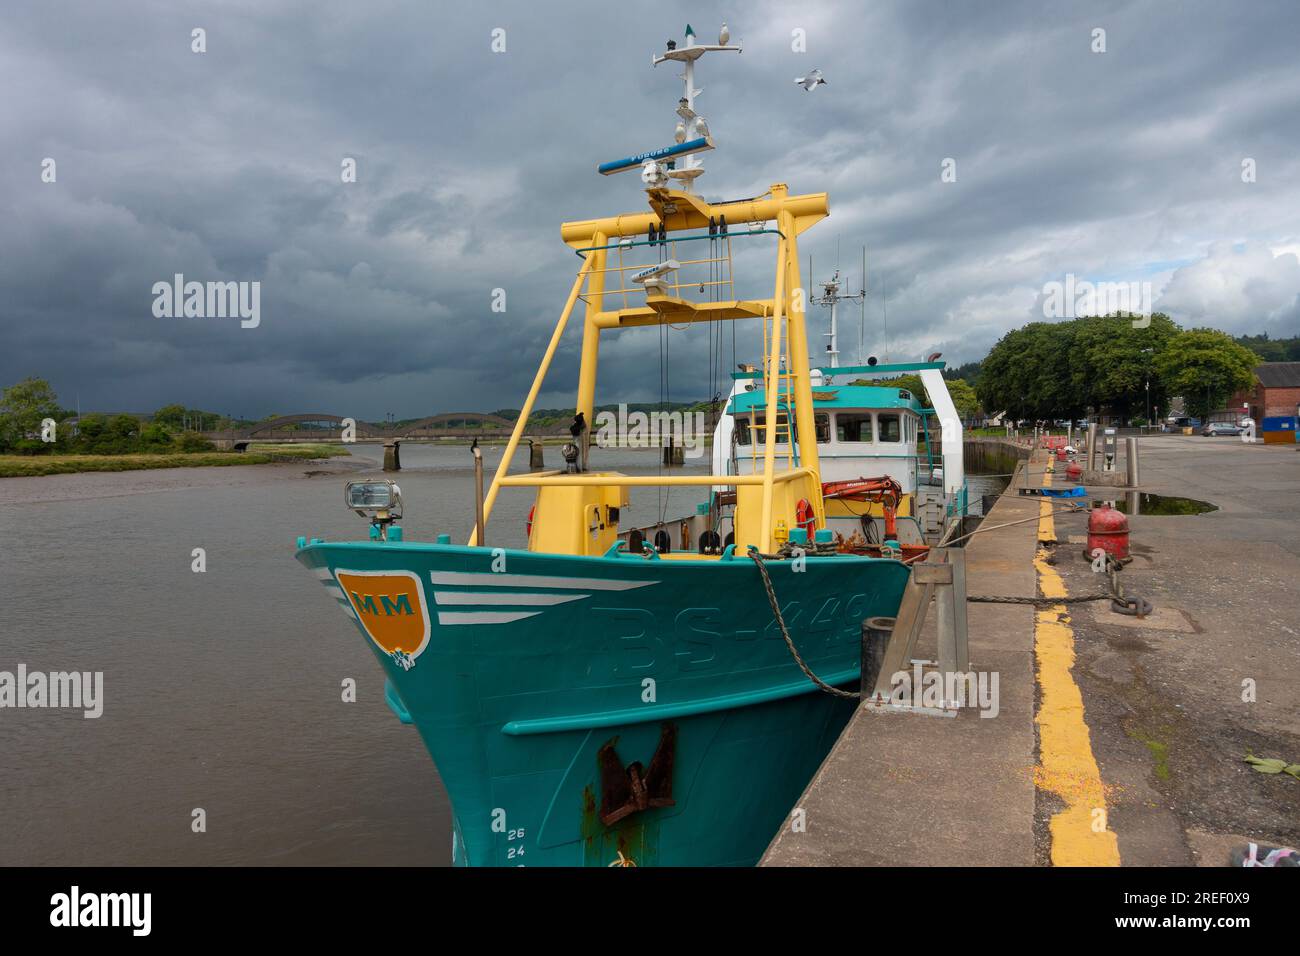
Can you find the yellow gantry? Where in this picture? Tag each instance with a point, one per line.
(766, 502)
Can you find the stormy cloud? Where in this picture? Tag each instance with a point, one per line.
(1122, 165)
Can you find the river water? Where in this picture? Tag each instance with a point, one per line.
(223, 689)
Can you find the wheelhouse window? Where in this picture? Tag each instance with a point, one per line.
(890, 427)
(742, 431)
(853, 427)
(823, 424)
(749, 429)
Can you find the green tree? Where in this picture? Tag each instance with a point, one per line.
(964, 397)
(171, 416)
(1272, 350)
(1053, 370)
(23, 407)
(1112, 362)
(1027, 373)
(1205, 366)
(154, 437)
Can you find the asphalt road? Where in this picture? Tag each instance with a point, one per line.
(1176, 701)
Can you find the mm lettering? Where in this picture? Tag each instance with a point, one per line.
(391, 609)
(401, 606)
(366, 605)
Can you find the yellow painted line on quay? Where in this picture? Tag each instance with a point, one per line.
(1080, 833)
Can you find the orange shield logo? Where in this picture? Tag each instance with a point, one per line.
(390, 606)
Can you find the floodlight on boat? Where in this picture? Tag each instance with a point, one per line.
(377, 500)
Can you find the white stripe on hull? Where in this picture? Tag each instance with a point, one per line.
(525, 598)
(473, 579)
(483, 617)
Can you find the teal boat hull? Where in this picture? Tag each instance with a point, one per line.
(536, 674)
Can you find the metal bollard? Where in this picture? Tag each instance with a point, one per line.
(876, 632)
(1131, 461)
(1092, 446)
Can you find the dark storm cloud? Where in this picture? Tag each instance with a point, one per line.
(376, 295)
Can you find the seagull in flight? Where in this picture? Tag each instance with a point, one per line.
(811, 81)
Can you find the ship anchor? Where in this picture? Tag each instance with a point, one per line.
(631, 789)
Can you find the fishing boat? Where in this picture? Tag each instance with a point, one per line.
(588, 702)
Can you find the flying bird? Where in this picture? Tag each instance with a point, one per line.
(724, 34)
(811, 81)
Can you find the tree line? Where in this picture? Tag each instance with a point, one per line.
(27, 407)
(1119, 364)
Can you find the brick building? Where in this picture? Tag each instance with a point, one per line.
(1274, 402)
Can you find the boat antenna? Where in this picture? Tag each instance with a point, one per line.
(862, 305)
(692, 132)
(884, 312)
(831, 296)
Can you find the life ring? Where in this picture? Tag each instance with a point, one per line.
(804, 515)
(528, 524)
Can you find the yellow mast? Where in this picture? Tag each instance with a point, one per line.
(760, 510)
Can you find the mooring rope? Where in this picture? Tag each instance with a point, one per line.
(785, 633)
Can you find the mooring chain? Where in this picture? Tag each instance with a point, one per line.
(785, 633)
(1036, 601)
(1120, 604)
(1135, 606)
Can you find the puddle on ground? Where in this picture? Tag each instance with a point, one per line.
(1141, 503)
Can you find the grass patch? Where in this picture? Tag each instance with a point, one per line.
(18, 466)
(300, 450)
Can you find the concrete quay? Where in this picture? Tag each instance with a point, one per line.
(1117, 740)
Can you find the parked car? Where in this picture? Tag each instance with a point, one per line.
(1214, 429)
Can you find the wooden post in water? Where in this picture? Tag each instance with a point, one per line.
(393, 455)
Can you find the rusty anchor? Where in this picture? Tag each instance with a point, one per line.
(631, 789)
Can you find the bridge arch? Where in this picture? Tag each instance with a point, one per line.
(363, 428)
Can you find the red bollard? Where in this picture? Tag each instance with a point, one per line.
(1108, 530)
